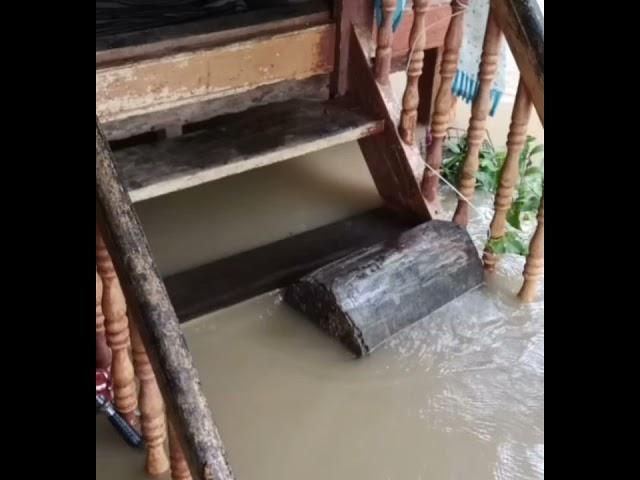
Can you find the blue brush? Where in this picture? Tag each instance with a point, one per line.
(126, 431)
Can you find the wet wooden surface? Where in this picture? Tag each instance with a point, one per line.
(275, 265)
(239, 142)
(214, 72)
(366, 297)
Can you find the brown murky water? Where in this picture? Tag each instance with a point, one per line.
(459, 395)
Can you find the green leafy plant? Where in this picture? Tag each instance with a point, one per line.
(526, 196)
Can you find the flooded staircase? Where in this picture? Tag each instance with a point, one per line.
(191, 104)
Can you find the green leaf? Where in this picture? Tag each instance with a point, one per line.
(515, 244)
(514, 215)
(486, 182)
(537, 149)
(511, 242)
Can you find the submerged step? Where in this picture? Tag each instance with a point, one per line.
(234, 143)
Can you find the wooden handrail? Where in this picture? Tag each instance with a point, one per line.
(522, 23)
(156, 320)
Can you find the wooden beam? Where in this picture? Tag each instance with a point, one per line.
(157, 323)
(200, 75)
(429, 82)
(312, 88)
(347, 13)
(522, 23)
(396, 167)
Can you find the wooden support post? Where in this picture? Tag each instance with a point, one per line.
(479, 113)
(411, 98)
(152, 417)
(384, 43)
(534, 267)
(179, 467)
(510, 171)
(428, 85)
(103, 352)
(395, 166)
(442, 106)
(157, 322)
(114, 307)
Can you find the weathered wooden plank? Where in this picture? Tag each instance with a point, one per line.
(395, 166)
(312, 88)
(522, 23)
(236, 278)
(200, 75)
(216, 31)
(368, 296)
(235, 143)
(157, 322)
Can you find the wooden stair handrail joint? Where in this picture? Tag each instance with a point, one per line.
(103, 352)
(534, 266)
(510, 172)
(411, 97)
(384, 43)
(157, 322)
(477, 123)
(116, 324)
(443, 101)
(152, 416)
(396, 167)
(522, 23)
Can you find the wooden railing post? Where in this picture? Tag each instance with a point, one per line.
(411, 98)
(152, 418)
(444, 97)
(384, 43)
(510, 171)
(103, 352)
(114, 308)
(534, 267)
(479, 113)
(179, 467)
(157, 322)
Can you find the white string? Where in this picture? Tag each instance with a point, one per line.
(427, 27)
(460, 195)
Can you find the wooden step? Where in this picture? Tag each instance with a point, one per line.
(239, 277)
(234, 143)
(201, 74)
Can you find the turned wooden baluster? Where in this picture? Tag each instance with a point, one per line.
(117, 326)
(179, 467)
(385, 39)
(103, 352)
(444, 99)
(479, 113)
(411, 97)
(534, 267)
(152, 418)
(510, 171)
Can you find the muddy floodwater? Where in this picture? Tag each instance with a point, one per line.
(459, 395)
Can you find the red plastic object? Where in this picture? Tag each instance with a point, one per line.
(103, 383)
